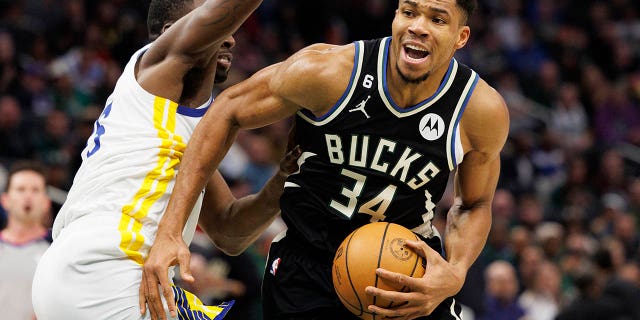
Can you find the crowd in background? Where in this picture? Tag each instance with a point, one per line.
(566, 214)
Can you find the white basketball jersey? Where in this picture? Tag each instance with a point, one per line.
(130, 164)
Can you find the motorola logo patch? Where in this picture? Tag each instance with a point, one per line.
(431, 127)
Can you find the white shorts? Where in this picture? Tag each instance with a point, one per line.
(84, 275)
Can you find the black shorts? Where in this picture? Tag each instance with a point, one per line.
(297, 285)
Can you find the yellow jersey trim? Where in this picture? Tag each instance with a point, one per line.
(156, 181)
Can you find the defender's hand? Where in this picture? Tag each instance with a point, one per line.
(167, 250)
(440, 281)
(289, 163)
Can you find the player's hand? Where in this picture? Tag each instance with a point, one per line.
(167, 250)
(440, 281)
(289, 163)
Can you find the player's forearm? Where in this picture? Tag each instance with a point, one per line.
(466, 234)
(226, 15)
(210, 141)
(247, 218)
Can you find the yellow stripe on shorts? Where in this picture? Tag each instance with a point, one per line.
(155, 182)
(191, 308)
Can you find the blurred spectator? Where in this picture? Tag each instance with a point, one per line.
(52, 146)
(544, 88)
(549, 164)
(617, 118)
(8, 64)
(530, 211)
(569, 120)
(500, 301)
(542, 301)
(550, 237)
(14, 133)
(589, 304)
(520, 238)
(630, 272)
(261, 165)
(624, 229)
(613, 205)
(504, 205)
(528, 263)
(624, 294)
(24, 239)
(574, 201)
(633, 191)
(611, 175)
(517, 171)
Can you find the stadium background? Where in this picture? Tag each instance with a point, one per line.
(568, 200)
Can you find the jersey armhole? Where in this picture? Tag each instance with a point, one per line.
(346, 95)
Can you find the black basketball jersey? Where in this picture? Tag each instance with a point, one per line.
(369, 160)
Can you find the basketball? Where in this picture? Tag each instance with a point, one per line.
(372, 246)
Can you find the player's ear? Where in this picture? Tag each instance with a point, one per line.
(463, 36)
(166, 26)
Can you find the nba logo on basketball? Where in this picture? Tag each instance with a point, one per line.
(274, 266)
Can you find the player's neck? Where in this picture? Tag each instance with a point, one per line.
(19, 233)
(407, 94)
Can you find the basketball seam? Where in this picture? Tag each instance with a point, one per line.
(384, 236)
(346, 263)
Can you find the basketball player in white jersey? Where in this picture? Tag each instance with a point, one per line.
(418, 115)
(102, 235)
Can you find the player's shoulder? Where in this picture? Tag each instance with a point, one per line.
(319, 64)
(315, 76)
(486, 103)
(323, 58)
(486, 118)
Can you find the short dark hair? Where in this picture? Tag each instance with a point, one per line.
(163, 11)
(25, 165)
(467, 6)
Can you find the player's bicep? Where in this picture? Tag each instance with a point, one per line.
(477, 175)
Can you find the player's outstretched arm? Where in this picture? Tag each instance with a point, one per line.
(200, 32)
(469, 219)
(272, 94)
(233, 224)
(189, 42)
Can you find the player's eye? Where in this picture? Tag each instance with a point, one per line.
(407, 13)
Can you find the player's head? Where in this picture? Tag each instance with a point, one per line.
(25, 198)
(163, 13)
(426, 34)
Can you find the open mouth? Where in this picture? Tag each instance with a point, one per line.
(225, 59)
(415, 53)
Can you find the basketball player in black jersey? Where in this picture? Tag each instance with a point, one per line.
(381, 124)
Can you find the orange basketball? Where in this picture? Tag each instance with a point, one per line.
(372, 246)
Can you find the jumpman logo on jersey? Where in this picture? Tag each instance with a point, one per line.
(360, 107)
